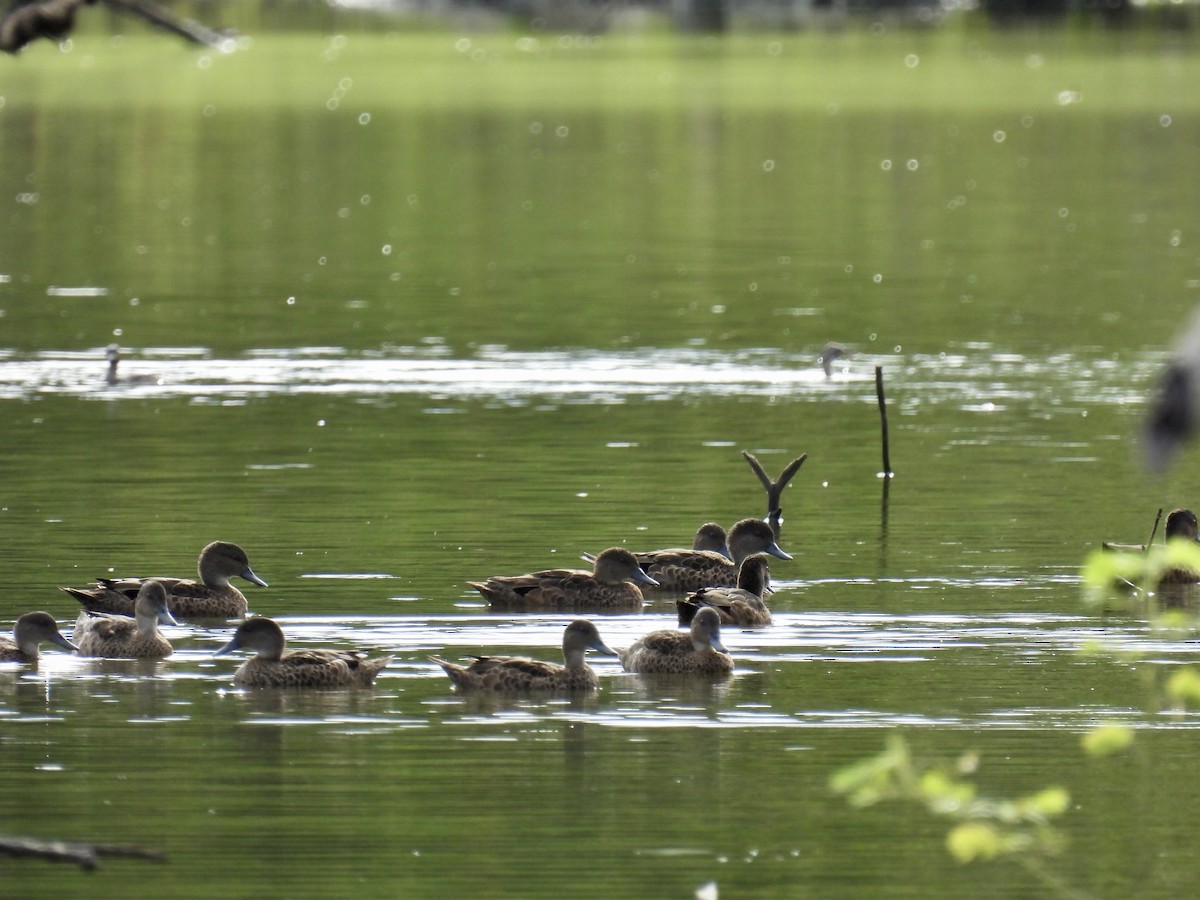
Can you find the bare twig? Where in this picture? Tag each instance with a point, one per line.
(156, 15)
(27, 21)
(1154, 530)
(82, 854)
(774, 488)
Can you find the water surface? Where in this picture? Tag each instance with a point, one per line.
(485, 313)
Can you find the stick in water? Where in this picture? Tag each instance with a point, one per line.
(774, 488)
(1154, 530)
(887, 459)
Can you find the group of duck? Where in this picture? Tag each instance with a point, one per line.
(723, 580)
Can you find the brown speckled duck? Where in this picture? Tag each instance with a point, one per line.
(690, 570)
(710, 538)
(212, 597)
(31, 630)
(698, 652)
(519, 673)
(274, 667)
(121, 637)
(742, 605)
(608, 588)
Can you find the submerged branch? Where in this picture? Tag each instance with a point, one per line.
(83, 854)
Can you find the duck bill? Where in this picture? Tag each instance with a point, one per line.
(718, 646)
(601, 647)
(63, 642)
(165, 617)
(776, 551)
(641, 577)
(235, 644)
(249, 575)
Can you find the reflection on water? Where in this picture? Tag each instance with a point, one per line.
(414, 691)
(976, 379)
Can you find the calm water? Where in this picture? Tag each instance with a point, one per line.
(424, 312)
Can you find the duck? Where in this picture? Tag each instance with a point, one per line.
(608, 588)
(272, 666)
(1182, 527)
(121, 637)
(698, 651)
(111, 378)
(1180, 523)
(32, 630)
(690, 570)
(212, 597)
(830, 354)
(742, 605)
(520, 673)
(710, 538)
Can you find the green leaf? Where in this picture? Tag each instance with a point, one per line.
(1047, 803)
(1104, 568)
(1184, 686)
(1107, 739)
(974, 840)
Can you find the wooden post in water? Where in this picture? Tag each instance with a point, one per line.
(886, 473)
(887, 459)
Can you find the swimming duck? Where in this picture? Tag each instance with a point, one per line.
(710, 538)
(212, 597)
(690, 570)
(741, 605)
(519, 673)
(121, 637)
(273, 666)
(607, 588)
(699, 651)
(113, 352)
(830, 354)
(1181, 526)
(31, 630)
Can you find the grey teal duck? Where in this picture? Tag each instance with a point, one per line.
(742, 605)
(273, 666)
(608, 588)
(690, 570)
(121, 637)
(212, 597)
(519, 673)
(32, 630)
(698, 651)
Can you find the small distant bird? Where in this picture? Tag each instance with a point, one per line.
(831, 353)
(1175, 412)
(113, 353)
